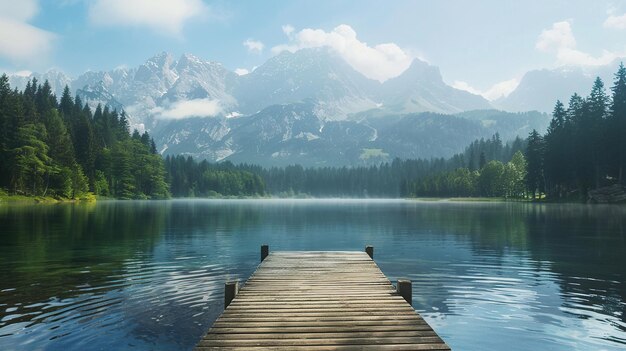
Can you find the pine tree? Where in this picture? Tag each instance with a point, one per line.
(555, 155)
(534, 159)
(483, 160)
(31, 164)
(617, 124)
(7, 108)
(598, 104)
(66, 104)
(83, 138)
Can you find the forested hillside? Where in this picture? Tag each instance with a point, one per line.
(63, 149)
(583, 149)
(585, 146)
(189, 178)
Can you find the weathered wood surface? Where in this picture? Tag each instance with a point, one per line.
(319, 301)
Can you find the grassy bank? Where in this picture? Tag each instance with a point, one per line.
(24, 199)
(469, 199)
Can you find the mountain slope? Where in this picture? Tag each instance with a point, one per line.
(539, 89)
(421, 88)
(316, 75)
(293, 133)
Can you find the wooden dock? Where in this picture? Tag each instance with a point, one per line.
(303, 300)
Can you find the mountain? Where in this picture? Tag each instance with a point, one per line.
(293, 133)
(421, 88)
(539, 89)
(307, 107)
(199, 79)
(509, 124)
(57, 80)
(317, 75)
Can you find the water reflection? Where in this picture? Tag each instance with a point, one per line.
(149, 275)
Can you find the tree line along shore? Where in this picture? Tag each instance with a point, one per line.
(59, 149)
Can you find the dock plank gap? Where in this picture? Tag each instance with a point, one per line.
(319, 300)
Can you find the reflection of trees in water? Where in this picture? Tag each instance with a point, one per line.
(587, 248)
(51, 245)
(198, 216)
(54, 251)
(585, 245)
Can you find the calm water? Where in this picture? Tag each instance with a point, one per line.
(150, 275)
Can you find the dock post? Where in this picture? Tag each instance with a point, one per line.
(405, 289)
(265, 250)
(230, 291)
(369, 249)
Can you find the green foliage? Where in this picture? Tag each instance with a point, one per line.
(535, 163)
(495, 179)
(64, 150)
(31, 163)
(515, 176)
(101, 185)
(189, 178)
(585, 146)
(491, 179)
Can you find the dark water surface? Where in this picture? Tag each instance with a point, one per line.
(150, 275)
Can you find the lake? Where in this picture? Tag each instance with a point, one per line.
(149, 275)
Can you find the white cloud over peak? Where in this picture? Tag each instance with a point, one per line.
(560, 41)
(163, 16)
(254, 45)
(189, 108)
(21, 42)
(496, 91)
(380, 62)
(615, 22)
(24, 73)
(559, 36)
(242, 71)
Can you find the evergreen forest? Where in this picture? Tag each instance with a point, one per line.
(63, 149)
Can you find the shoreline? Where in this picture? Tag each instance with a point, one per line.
(48, 200)
(36, 200)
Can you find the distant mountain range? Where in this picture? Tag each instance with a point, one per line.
(293, 133)
(540, 89)
(309, 107)
(317, 75)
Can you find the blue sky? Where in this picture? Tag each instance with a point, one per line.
(484, 46)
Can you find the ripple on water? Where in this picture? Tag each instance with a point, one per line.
(148, 276)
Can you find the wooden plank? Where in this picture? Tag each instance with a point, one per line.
(347, 328)
(288, 318)
(405, 333)
(396, 347)
(319, 301)
(327, 341)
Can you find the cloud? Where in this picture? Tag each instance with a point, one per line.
(615, 22)
(254, 45)
(163, 16)
(242, 71)
(497, 91)
(557, 37)
(24, 73)
(380, 62)
(21, 42)
(288, 29)
(560, 40)
(461, 85)
(189, 108)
